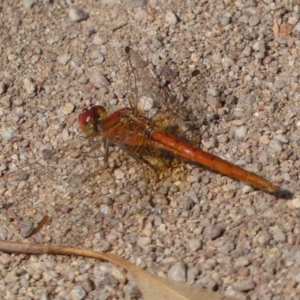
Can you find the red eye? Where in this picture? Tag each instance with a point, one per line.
(90, 117)
(86, 114)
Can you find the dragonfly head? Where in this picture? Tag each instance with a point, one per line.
(90, 119)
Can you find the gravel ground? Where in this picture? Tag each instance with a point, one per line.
(195, 226)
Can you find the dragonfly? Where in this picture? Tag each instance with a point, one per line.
(149, 126)
(131, 127)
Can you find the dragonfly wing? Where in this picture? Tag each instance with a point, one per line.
(144, 91)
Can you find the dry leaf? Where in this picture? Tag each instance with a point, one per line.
(151, 286)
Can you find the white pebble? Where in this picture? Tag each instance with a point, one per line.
(118, 275)
(295, 202)
(63, 59)
(68, 108)
(119, 174)
(27, 4)
(276, 145)
(240, 132)
(144, 241)
(76, 14)
(213, 91)
(7, 133)
(77, 293)
(259, 46)
(171, 17)
(29, 86)
(65, 135)
(104, 209)
(216, 58)
(98, 80)
(178, 272)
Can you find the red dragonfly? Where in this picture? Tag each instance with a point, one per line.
(130, 127)
(142, 132)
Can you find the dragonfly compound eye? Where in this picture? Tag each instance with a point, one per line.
(89, 118)
(85, 120)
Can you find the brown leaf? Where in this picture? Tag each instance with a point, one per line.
(151, 286)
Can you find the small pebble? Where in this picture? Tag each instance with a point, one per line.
(99, 40)
(243, 271)
(216, 58)
(276, 145)
(187, 203)
(213, 231)
(65, 135)
(8, 133)
(192, 274)
(88, 285)
(5, 259)
(144, 241)
(254, 20)
(247, 51)
(243, 286)
(295, 202)
(282, 80)
(5, 101)
(104, 209)
(194, 245)
(17, 102)
(240, 132)
(118, 275)
(241, 262)
(3, 233)
(12, 57)
(214, 92)
(119, 174)
(264, 139)
(26, 228)
(279, 235)
(68, 108)
(98, 80)
(11, 277)
(76, 14)
(27, 4)
(171, 18)
(227, 247)
(259, 46)
(63, 59)
(97, 57)
(29, 86)
(77, 293)
(178, 272)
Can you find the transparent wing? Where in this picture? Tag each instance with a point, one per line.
(144, 90)
(178, 106)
